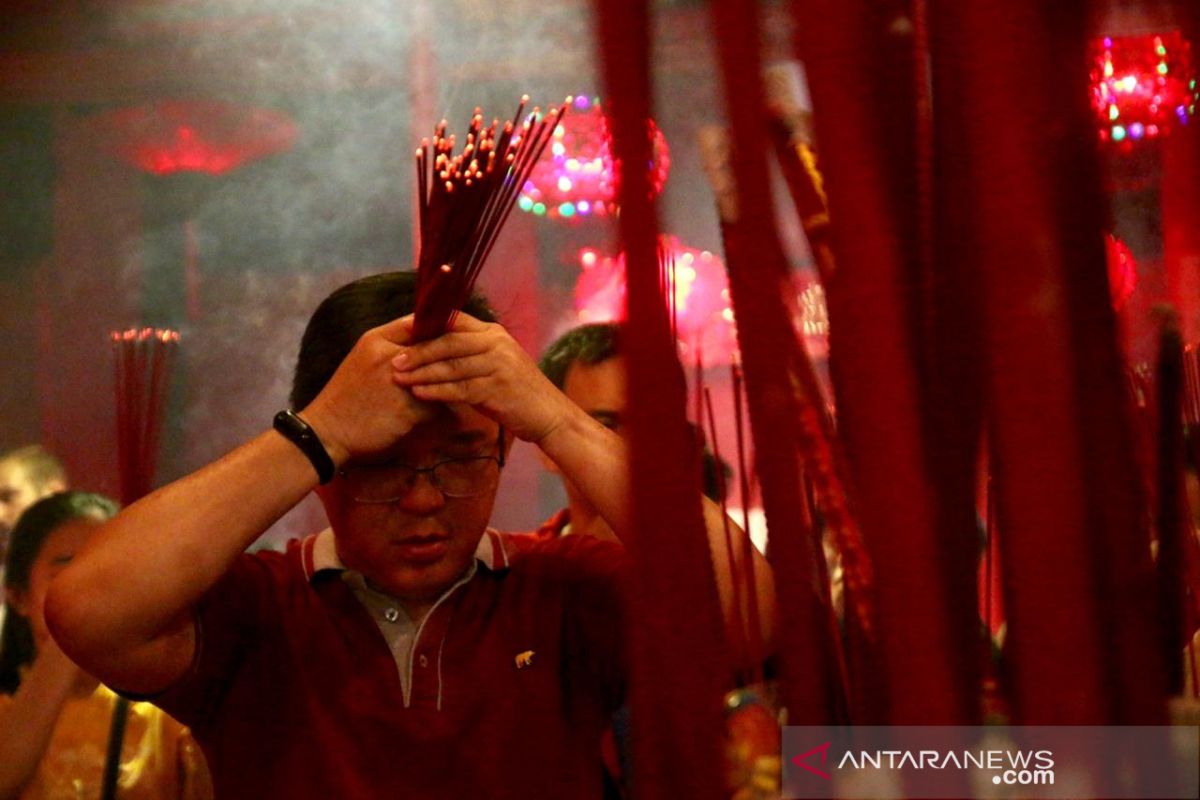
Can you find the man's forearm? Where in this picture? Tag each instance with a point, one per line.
(596, 461)
(141, 573)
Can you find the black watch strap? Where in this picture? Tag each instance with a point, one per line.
(301, 434)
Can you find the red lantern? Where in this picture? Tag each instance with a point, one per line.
(1142, 86)
(578, 177)
(205, 136)
(703, 314)
(1122, 271)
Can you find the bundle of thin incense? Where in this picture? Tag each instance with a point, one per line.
(142, 362)
(463, 200)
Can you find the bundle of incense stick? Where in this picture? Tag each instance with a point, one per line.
(142, 363)
(463, 200)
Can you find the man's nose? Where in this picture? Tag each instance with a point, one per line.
(423, 496)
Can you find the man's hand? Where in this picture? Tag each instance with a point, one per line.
(480, 364)
(361, 410)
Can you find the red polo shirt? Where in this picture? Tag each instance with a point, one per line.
(515, 673)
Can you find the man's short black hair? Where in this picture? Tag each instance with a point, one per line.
(587, 344)
(346, 315)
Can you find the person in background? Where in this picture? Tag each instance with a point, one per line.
(55, 719)
(587, 364)
(27, 474)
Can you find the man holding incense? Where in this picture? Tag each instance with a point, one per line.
(409, 651)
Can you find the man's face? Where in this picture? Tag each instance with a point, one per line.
(17, 493)
(599, 389)
(418, 544)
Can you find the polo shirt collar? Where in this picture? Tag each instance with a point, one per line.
(318, 553)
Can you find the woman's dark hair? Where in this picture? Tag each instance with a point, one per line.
(25, 543)
(346, 315)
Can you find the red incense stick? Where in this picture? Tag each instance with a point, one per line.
(142, 361)
(463, 200)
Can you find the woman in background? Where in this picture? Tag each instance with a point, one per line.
(56, 722)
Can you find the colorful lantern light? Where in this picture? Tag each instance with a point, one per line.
(1142, 86)
(578, 177)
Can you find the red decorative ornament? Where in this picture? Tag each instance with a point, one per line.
(1122, 271)
(1142, 86)
(703, 313)
(205, 136)
(579, 178)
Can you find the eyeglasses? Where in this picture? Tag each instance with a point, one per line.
(453, 477)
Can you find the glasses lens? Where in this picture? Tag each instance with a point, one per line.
(465, 477)
(381, 485)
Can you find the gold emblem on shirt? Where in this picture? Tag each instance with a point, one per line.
(524, 660)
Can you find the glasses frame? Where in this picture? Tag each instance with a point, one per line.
(432, 475)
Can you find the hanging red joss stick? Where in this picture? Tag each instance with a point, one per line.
(1075, 559)
(811, 686)
(142, 362)
(875, 353)
(463, 200)
(1174, 526)
(679, 665)
(747, 628)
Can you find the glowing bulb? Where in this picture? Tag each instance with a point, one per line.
(539, 209)
(567, 209)
(525, 204)
(1113, 112)
(564, 184)
(583, 207)
(1118, 133)
(588, 258)
(558, 149)
(727, 314)
(1136, 130)
(572, 164)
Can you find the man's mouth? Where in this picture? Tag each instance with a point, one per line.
(423, 549)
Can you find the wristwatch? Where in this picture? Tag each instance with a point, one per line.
(301, 434)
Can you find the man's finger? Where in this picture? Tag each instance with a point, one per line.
(465, 323)
(443, 348)
(456, 392)
(398, 331)
(453, 369)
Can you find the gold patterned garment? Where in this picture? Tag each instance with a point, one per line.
(159, 758)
